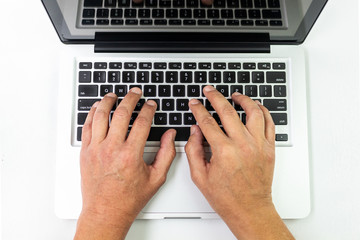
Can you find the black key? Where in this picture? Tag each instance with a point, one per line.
(273, 3)
(276, 23)
(218, 22)
(164, 90)
(193, 91)
(124, 3)
(223, 89)
(192, 3)
(200, 77)
(264, 66)
(185, 13)
(81, 118)
(260, 3)
(229, 77)
(88, 91)
(151, 3)
(79, 132)
(208, 106)
(178, 3)
(128, 77)
(189, 22)
(130, 65)
(234, 65)
(202, 5)
(117, 22)
(115, 65)
(142, 77)
(135, 85)
(236, 88)
(172, 13)
(139, 104)
(275, 77)
(120, 90)
(113, 76)
(186, 77)
(213, 13)
(199, 13)
(261, 23)
(144, 13)
(249, 66)
(182, 133)
(189, 119)
(219, 65)
(131, 22)
(279, 118)
(182, 104)
(160, 22)
(281, 137)
(217, 118)
(214, 77)
(258, 77)
(179, 91)
(84, 77)
(137, 4)
(105, 89)
(205, 65)
(102, 22)
(88, 13)
(160, 65)
(175, 119)
(278, 65)
(240, 14)
(99, 76)
(189, 65)
(280, 91)
(150, 90)
(175, 65)
(133, 118)
(251, 91)
(157, 102)
(227, 13)
(243, 118)
(272, 14)
(86, 104)
(130, 13)
(165, 3)
(219, 3)
(247, 22)
(203, 22)
(172, 77)
(254, 13)
(233, 3)
(157, 77)
(100, 65)
(202, 90)
(232, 22)
(158, 13)
(246, 4)
(265, 91)
(145, 65)
(146, 22)
(110, 3)
(93, 3)
(275, 104)
(102, 13)
(243, 77)
(160, 119)
(85, 65)
(167, 105)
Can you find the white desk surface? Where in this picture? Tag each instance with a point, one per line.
(28, 119)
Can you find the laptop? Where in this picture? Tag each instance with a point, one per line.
(171, 50)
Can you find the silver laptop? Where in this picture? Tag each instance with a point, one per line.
(171, 50)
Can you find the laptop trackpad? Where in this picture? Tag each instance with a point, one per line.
(179, 194)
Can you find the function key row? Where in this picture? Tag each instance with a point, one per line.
(179, 65)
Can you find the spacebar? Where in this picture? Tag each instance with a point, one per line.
(182, 133)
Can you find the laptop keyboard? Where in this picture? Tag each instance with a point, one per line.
(173, 83)
(175, 13)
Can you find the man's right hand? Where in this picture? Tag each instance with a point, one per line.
(206, 2)
(237, 180)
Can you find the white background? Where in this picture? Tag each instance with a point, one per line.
(29, 50)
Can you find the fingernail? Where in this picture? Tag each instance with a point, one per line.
(96, 104)
(257, 102)
(192, 130)
(113, 95)
(136, 90)
(151, 103)
(194, 101)
(209, 88)
(237, 93)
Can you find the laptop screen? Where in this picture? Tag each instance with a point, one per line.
(283, 21)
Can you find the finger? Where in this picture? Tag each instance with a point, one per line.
(207, 2)
(228, 116)
(196, 155)
(122, 114)
(86, 130)
(100, 124)
(207, 123)
(166, 153)
(255, 122)
(269, 125)
(141, 127)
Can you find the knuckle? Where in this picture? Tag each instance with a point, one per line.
(228, 111)
(142, 121)
(208, 121)
(122, 112)
(257, 112)
(100, 113)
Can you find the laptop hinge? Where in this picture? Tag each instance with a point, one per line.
(181, 42)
